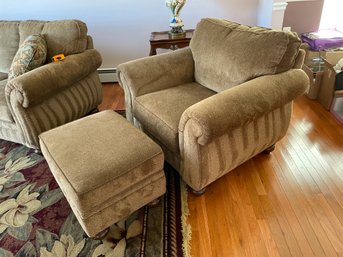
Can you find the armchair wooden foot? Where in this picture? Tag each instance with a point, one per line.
(95, 110)
(269, 149)
(199, 192)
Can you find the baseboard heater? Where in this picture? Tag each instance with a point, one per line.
(108, 75)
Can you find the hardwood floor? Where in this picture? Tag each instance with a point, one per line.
(288, 203)
(113, 97)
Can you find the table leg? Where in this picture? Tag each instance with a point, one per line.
(152, 51)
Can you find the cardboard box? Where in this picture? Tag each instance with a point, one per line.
(319, 67)
(332, 56)
(315, 81)
(310, 55)
(337, 105)
(327, 88)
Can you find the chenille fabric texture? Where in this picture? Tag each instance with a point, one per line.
(221, 101)
(104, 186)
(243, 52)
(53, 93)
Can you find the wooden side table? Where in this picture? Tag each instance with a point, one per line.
(162, 40)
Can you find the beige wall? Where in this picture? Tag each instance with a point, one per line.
(303, 16)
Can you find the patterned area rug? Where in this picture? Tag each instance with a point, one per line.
(36, 219)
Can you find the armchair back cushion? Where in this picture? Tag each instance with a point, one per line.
(62, 36)
(245, 52)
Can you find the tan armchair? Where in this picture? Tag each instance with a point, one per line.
(218, 103)
(54, 93)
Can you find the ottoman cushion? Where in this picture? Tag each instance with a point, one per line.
(105, 167)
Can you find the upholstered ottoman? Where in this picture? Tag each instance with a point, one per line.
(106, 168)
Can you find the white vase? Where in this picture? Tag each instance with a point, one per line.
(176, 22)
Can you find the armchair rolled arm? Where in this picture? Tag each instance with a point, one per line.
(33, 87)
(157, 72)
(242, 104)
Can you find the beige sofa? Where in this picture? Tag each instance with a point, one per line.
(53, 94)
(218, 103)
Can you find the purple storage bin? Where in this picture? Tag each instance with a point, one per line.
(323, 39)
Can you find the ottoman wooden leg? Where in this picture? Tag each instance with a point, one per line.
(101, 234)
(154, 202)
(269, 149)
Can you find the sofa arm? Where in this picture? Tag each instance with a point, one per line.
(242, 104)
(157, 72)
(39, 84)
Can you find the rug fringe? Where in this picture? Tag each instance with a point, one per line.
(186, 228)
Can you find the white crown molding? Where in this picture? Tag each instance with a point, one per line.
(280, 6)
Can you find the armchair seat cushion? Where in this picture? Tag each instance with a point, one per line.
(5, 113)
(160, 112)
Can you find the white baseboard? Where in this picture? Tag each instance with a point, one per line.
(108, 75)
